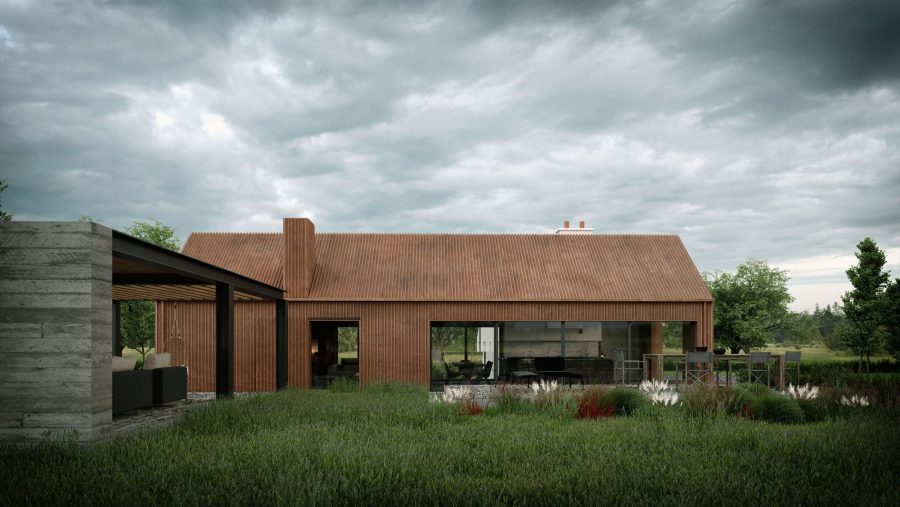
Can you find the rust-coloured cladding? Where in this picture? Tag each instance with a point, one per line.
(254, 343)
(299, 256)
(504, 267)
(256, 255)
(394, 336)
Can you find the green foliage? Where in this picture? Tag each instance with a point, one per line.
(510, 399)
(137, 325)
(444, 337)
(830, 320)
(4, 216)
(391, 446)
(704, 401)
(627, 401)
(348, 339)
(799, 329)
(154, 231)
(774, 407)
(749, 304)
(672, 334)
(863, 304)
(138, 317)
(88, 218)
(890, 317)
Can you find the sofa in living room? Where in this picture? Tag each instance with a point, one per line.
(155, 383)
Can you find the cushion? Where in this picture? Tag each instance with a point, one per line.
(120, 363)
(154, 361)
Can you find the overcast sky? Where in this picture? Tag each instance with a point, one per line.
(767, 130)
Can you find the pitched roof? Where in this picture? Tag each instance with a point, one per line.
(256, 255)
(472, 267)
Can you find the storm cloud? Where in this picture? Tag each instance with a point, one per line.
(751, 129)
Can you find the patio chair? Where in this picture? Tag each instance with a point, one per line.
(792, 358)
(624, 369)
(485, 371)
(758, 368)
(698, 367)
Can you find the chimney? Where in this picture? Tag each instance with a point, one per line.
(299, 256)
(580, 230)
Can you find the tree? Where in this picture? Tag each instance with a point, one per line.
(890, 317)
(442, 337)
(137, 322)
(830, 320)
(749, 304)
(156, 233)
(348, 339)
(800, 328)
(4, 216)
(863, 304)
(672, 335)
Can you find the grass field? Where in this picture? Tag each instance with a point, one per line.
(811, 353)
(388, 445)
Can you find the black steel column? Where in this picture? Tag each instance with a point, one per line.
(117, 328)
(281, 344)
(224, 339)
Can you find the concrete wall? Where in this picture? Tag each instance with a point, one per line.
(55, 330)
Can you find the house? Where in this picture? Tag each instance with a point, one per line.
(430, 308)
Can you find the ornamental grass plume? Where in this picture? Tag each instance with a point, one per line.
(855, 401)
(659, 392)
(664, 398)
(456, 394)
(544, 386)
(651, 387)
(805, 392)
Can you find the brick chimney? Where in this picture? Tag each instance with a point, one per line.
(571, 230)
(299, 256)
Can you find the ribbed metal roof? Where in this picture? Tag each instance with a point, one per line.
(472, 267)
(256, 255)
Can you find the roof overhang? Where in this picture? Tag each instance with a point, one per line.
(144, 271)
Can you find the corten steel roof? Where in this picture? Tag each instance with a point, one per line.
(471, 267)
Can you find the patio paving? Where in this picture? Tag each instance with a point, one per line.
(156, 417)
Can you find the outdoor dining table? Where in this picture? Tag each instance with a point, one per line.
(653, 365)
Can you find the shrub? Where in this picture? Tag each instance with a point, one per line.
(594, 403)
(774, 407)
(510, 399)
(702, 400)
(627, 401)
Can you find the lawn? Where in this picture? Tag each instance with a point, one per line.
(807, 353)
(388, 445)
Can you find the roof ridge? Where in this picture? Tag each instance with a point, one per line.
(529, 234)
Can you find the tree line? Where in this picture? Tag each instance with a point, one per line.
(751, 308)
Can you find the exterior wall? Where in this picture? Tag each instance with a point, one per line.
(394, 336)
(55, 330)
(254, 343)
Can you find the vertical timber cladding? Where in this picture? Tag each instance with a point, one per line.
(394, 337)
(254, 343)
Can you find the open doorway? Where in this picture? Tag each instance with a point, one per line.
(335, 352)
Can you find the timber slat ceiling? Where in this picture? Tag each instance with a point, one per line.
(471, 267)
(165, 292)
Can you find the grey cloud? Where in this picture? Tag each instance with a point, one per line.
(751, 129)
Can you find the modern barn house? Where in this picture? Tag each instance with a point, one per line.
(435, 308)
